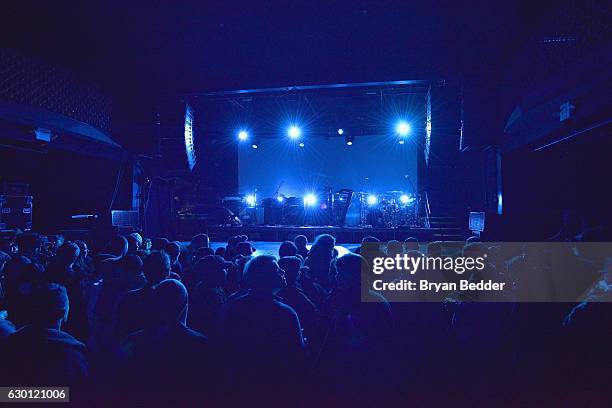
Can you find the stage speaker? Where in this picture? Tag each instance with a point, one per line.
(16, 212)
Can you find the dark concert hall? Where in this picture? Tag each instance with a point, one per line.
(306, 203)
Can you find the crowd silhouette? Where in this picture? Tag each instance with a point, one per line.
(156, 320)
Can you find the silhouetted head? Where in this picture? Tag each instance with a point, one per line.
(48, 306)
(411, 244)
(173, 249)
(291, 265)
(170, 303)
(211, 271)
(394, 247)
(263, 274)
(245, 248)
(348, 269)
(434, 249)
(159, 243)
(29, 243)
(287, 248)
(131, 264)
(300, 241)
(67, 254)
(156, 267)
(199, 241)
(118, 246)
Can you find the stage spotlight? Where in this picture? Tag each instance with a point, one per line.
(372, 200)
(310, 200)
(243, 135)
(301, 144)
(401, 141)
(340, 131)
(404, 198)
(294, 132)
(255, 143)
(280, 198)
(402, 128)
(349, 140)
(251, 200)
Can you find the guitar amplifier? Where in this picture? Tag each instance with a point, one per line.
(120, 218)
(16, 212)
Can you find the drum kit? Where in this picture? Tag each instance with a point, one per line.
(391, 209)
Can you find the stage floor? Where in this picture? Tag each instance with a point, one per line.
(271, 248)
(343, 235)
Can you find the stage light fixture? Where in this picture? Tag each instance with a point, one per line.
(243, 135)
(402, 128)
(280, 198)
(401, 141)
(301, 144)
(404, 198)
(251, 200)
(348, 140)
(255, 143)
(372, 199)
(310, 200)
(340, 131)
(294, 132)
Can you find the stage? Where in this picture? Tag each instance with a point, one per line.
(344, 235)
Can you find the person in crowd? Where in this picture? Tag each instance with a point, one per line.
(29, 246)
(134, 243)
(371, 242)
(320, 257)
(189, 257)
(287, 248)
(394, 248)
(301, 243)
(208, 296)
(245, 249)
(220, 251)
(168, 355)
(83, 264)
(6, 327)
(159, 243)
(40, 353)
(434, 249)
(133, 310)
(173, 249)
(61, 271)
(359, 329)
(411, 244)
(294, 295)
(263, 336)
(117, 247)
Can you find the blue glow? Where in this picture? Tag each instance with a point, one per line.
(301, 144)
(251, 200)
(372, 199)
(499, 203)
(254, 146)
(310, 200)
(340, 131)
(294, 132)
(401, 141)
(402, 128)
(404, 198)
(280, 198)
(243, 135)
(349, 142)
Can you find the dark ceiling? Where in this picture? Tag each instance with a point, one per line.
(138, 51)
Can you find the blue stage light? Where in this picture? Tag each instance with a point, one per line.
(372, 200)
(254, 145)
(340, 131)
(251, 200)
(294, 132)
(243, 135)
(280, 198)
(301, 144)
(310, 200)
(404, 198)
(402, 128)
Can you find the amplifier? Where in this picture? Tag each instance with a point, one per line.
(16, 212)
(122, 218)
